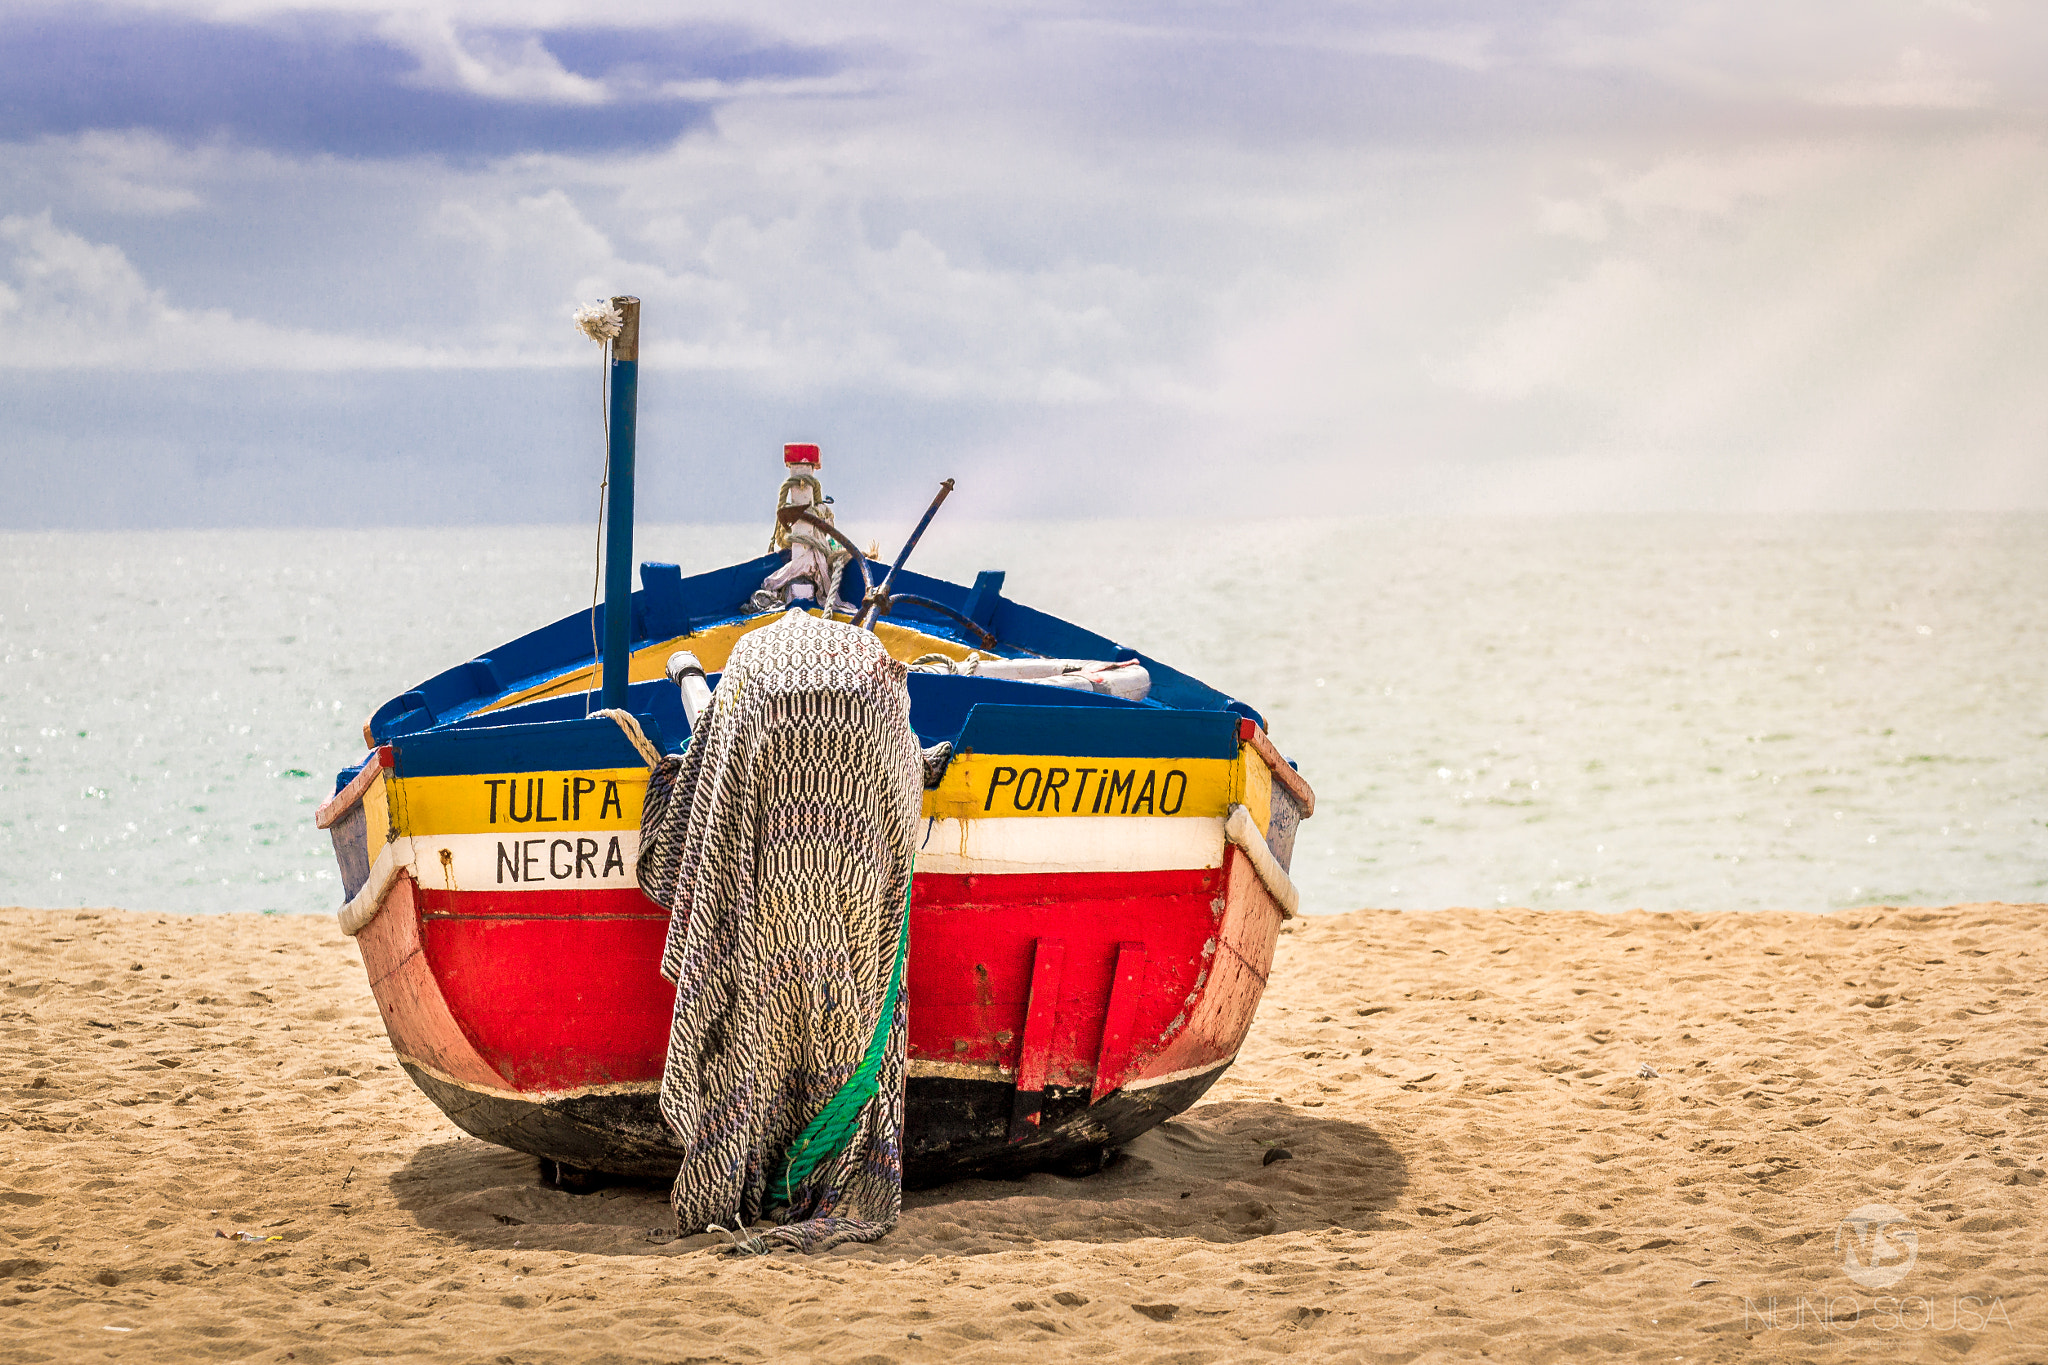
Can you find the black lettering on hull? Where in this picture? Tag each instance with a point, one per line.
(557, 860)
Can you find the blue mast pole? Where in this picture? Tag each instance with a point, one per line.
(618, 550)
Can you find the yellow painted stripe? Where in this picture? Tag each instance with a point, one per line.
(976, 787)
(712, 648)
(1007, 786)
(1256, 787)
(520, 803)
(377, 814)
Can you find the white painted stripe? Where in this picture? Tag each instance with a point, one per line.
(1087, 843)
(605, 859)
(1244, 832)
(1147, 1082)
(982, 1071)
(597, 860)
(966, 1071)
(594, 859)
(535, 1096)
(961, 1071)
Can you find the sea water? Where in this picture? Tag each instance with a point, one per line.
(1672, 713)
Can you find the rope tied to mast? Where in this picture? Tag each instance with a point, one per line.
(600, 321)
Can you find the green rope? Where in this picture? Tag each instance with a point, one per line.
(826, 1136)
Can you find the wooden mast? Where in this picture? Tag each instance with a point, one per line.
(618, 551)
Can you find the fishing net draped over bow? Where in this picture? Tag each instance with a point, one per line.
(781, 842)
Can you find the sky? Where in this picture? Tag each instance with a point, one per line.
(268, 265)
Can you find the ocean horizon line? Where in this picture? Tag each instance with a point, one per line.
(964, 519)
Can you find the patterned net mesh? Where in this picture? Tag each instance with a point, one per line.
(781, 841)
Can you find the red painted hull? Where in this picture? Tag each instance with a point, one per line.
(1051, 1015)
(1099, 883)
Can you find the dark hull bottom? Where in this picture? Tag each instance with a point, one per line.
(953, 1128)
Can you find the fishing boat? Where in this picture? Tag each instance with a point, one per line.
(1099, 883)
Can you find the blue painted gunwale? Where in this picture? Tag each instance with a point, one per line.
(668, 605)
(548, 746)
(439, 728)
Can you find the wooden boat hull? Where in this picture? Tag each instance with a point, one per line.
(961, 1118)
(1092, 919)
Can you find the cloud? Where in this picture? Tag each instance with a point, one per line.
(492, 66)
(1456, 253)
(1577, 336)
(1798, 317)
(67, 303)
(475, 80)
(808, 299)
(796, 303)
(411, 84)
(1920, 80)
(136, 175)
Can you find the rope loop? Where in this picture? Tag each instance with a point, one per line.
(626, 721)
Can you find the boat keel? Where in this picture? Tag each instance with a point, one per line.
(953, 1128)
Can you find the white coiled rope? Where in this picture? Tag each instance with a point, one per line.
(600, 321)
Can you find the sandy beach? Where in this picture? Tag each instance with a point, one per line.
(1512, 1134)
